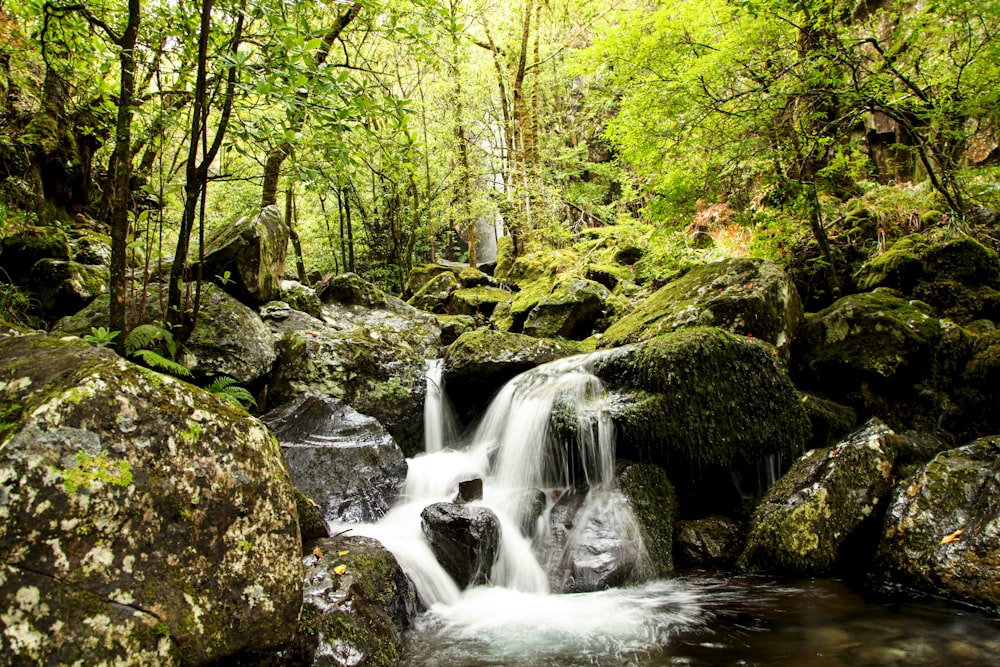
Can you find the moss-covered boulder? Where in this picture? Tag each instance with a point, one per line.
(704, 396)
(357, 604)
(711, 541)
(481, 361)
(476, 301)
(433, 295)
(571, 310)
(752, 297)
(831, 422)
(20, 251)
(343, 461)
(229, 339)
(421, 274)
(143, 520)
(815, 519)
(301, 297)
(453, 326)
(372, 357)
(470, 276)
(978, 391)
(942, 530)
(959, 278)
(62, 288)
(654, 503)
(252, 252)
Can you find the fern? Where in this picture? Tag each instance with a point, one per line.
(226, 388)
(150, 337)
(160, 363)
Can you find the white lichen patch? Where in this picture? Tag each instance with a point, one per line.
(196, 613)
(128, 563)
(58, 555)
(98, 558)
(27, 598)
(22, 638)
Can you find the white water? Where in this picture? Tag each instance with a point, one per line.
(548, 431)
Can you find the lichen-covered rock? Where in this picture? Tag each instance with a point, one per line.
(822, 504)
(312, 525)
(345, 462)
(752, 297)
(19, 252)
(252, 251)
(654, 503)
(476, 300)
(370, 356)
(570, 310)
(481, 361)
(433, 295)
(229, 339)
(142, 520)
(357, 604)
(465, 539)
(301, 297)
(712, 541)
(453, 326)
(942, 530)
(831, 422)
(470, 276)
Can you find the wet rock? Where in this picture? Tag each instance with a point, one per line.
(595, 542)
(654, 503)
(252, 251)
(830, 421)
(312, 526)
(229, 339)
(751, 297)
(570, 310)
(143, 520)
(453, 326)
(481, 361)
(942, 530)
(357, 603)
(372, 357)
(465, 539)
(813, 520)
(343, 461)
(469, 490)
(300, 297)
(714, 541)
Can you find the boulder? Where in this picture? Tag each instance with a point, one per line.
(595, 542)
(301, 297)
(570, 310)
(453, 326)
(977, 392)
(706, 405)
(142, 520)
(343, 461)
(713, 541)
(20, 251)
(433, 295)
(942, 530)
(357, 603)
(368, 351)
(481, 361)
(815, 519)
(654, 504)
(751, 297)
(465, 539)
(481, 301)
(229, 339)
(252, 252)
(64, 287)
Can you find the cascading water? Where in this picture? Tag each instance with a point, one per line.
(545, 452)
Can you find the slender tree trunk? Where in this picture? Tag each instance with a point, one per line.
(300, 265)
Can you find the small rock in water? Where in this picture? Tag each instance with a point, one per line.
(469, 490)
(465, 540)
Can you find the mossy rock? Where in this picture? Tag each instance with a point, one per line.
(301, 297)
(570, 310)
(505, 258)
(654, 502)
(473, 277)
(350, 289)
(700, 397)
(433, 295)
(453, 326)
(628, 255)
(475, 301)
(62, 288)
(806, 522)
(252, 251)
(424, 273)
(20, 252)
(899, 267)
(751, 297)
(542, 266)
(978, 391)
(831, 422)
(941, 530)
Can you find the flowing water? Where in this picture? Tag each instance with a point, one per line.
(548, 436)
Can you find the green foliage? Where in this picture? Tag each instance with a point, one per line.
(15, 304)
(226, 388)
(155, 347)
(101, 337)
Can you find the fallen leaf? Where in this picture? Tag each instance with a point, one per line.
(951, 537)
(318, 552)
(311, 501)
(340, 569)
(344, 552)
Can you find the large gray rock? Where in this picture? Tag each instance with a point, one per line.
(143, 521)
(229, 339)
(595, 542)
(465, 540)
(713, 541)
(252, 251)
(368, 350)
(62, 288)
(821, 504)
(654, 504)
(357, 604)
(942, 530)
(345, 462)
(570, 310)
(751, 297)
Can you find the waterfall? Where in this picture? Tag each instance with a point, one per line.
(545, 452)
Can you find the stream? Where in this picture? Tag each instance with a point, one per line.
(548, 431)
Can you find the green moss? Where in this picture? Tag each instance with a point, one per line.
(91, 469)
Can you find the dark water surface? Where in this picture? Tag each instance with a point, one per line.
(705, 620)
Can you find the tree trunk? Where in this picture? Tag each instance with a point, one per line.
(300, 265)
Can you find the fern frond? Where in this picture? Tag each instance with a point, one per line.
(160, 363)
(148, 336)
(219, 384)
